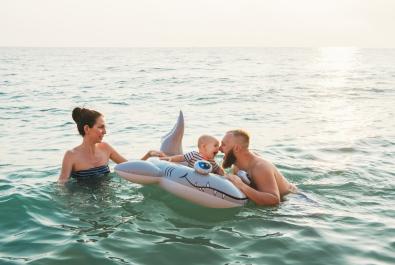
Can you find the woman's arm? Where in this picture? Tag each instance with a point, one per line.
(176, 158)
(118, 158)
(153, 153)
(67, 166)
(114, 155)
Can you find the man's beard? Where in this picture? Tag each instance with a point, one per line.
(229, 160)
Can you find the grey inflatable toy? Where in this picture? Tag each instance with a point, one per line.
(209, 190)
(172, 142)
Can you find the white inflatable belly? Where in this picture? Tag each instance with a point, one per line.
(210, 190)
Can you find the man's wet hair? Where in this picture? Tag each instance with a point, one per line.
(242, 136)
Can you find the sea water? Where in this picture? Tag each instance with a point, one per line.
(324, 116)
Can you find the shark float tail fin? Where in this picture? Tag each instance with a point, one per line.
(172, 142)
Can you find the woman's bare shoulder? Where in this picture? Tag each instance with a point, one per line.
(72, 152)
(104, 145)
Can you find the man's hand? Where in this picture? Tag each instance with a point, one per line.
(235, 180)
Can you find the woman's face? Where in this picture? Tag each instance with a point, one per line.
(98, 130)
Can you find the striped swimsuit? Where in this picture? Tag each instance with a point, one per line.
(90, 173)
(194, 156)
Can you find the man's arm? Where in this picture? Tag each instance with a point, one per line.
(267, 193)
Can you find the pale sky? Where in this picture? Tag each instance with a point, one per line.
(197, 23)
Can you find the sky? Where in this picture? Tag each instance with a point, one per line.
(198, 23)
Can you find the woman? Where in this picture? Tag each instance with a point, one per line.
(91, 157)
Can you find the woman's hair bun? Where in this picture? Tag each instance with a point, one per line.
(84, 116)
(77, 114)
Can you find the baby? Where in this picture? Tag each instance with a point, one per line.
(208, 147)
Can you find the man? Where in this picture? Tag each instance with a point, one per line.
(268, 184)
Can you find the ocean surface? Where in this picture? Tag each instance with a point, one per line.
(325, 117)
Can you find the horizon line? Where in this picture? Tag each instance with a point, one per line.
(189, 47)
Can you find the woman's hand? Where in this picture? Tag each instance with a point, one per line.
(156, 153)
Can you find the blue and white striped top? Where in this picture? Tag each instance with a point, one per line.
(92, 172)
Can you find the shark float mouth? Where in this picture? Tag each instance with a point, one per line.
(207, 186)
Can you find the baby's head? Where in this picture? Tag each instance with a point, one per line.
(208, 146)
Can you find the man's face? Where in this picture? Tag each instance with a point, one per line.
(226, 147)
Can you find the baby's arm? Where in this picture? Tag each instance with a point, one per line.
(217, 169)
(220, 171)
(176, 158)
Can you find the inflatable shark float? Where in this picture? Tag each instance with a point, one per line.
(208, 190)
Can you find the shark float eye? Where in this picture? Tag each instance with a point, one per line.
(203, 167)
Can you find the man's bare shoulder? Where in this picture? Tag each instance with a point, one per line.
(262, 164)
(261, 167)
